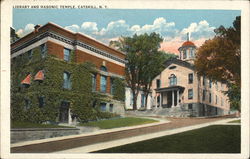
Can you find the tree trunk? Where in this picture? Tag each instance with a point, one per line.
(146, 100)
(135, 95)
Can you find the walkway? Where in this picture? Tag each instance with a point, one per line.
(114, 137)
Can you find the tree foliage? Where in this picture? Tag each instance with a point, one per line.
(144, 61)
(220, 59)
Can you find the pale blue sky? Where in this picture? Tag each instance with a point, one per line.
(106, 24)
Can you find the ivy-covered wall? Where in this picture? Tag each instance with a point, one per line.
(83, 102)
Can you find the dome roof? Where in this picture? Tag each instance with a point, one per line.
(188, 43)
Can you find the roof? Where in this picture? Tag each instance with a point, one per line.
(170, 88)
(27, 80)
(179, 62)
(39, 76)
(188, 43)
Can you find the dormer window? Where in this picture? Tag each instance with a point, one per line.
(172, 67)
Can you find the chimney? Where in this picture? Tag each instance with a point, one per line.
(37, 27)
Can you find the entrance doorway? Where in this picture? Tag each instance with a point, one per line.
(64, 112)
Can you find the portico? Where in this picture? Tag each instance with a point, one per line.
(169, 97)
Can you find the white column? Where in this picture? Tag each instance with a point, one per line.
(178, 98)
(160, 100)
(69, 118)
(173, 98)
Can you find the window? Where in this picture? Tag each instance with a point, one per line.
(103, 83)
(43, 50)
(190, 94)
(103, 107)
(142, 100)
(103, 68)
(216, 100)
(222, 101)
(93, 82)
(204, 81)
(131, 99)
(184, 54)
(190, 78)
(210, 83)
(210, 98)
(190, 106)
(66, 80)
(172, 80)
(112, 86)
(66, 54)
(192, 53)
(41, 101)
(30, 54)
(204, 95)
(172, 67)
(111, 107)
(158, 83)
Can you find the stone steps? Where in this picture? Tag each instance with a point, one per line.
(168, 112)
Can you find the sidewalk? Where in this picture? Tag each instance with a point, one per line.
(114, 137)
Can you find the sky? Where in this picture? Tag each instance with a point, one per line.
(110, 24)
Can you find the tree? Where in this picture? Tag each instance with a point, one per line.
(144, 61)
(220, 59)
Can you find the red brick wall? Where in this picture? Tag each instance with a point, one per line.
(111, 67)
(55, 49)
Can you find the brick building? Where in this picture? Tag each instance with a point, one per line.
(60, 43)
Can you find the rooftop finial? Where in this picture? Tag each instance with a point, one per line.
(187, 36)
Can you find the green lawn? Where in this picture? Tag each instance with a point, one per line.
(235, 121)
(34, 125)
(118, 122)
(212, 139)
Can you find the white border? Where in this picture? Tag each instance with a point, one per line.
(6, 22)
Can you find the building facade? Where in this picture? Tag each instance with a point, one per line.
(63, 45)
(182, 92)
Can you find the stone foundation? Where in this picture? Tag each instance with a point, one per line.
(27, 134)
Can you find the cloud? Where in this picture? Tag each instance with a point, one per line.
(89, 27)
(197, 31)
(74, 28)
(160, 26)
(116, 28)
(27, 29)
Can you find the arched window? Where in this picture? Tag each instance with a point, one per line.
(172, 80)
(103, 68)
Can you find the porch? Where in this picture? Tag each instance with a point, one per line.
(169, 97)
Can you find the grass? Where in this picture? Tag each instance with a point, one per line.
(35, 125)
(235, 121)
(211, 139)
(118, 122)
